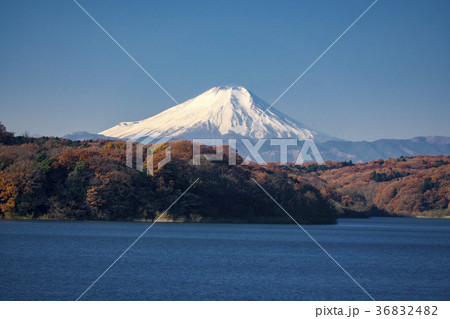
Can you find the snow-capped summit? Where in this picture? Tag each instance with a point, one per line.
(225, 111)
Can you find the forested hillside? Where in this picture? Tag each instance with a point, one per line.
(55, 178)
(62, 179)
(406, 186)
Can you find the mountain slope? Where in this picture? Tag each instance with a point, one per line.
(220, 112)
(384, 149)
(81, 136)
(229, 112)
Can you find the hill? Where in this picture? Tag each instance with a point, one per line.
(63, 179)
(416, 186)
(52, 178)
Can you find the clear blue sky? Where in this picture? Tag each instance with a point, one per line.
(388, 77)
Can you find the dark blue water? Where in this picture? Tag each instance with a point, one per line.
(392, 258)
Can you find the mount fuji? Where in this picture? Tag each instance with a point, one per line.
(235, 112)
(220, 112)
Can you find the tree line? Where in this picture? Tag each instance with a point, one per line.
(54, 178)
(89, 180)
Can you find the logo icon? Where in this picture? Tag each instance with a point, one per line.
(142, 139)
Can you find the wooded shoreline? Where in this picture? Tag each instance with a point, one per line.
(59, 179)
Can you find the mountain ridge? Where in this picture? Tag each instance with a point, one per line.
(224, 111)
(230, 112)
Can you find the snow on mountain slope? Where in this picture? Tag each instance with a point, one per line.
(219, 112)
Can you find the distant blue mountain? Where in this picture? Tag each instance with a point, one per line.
(81, 136)
(384, 149)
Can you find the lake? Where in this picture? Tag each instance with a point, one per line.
(392, 258)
